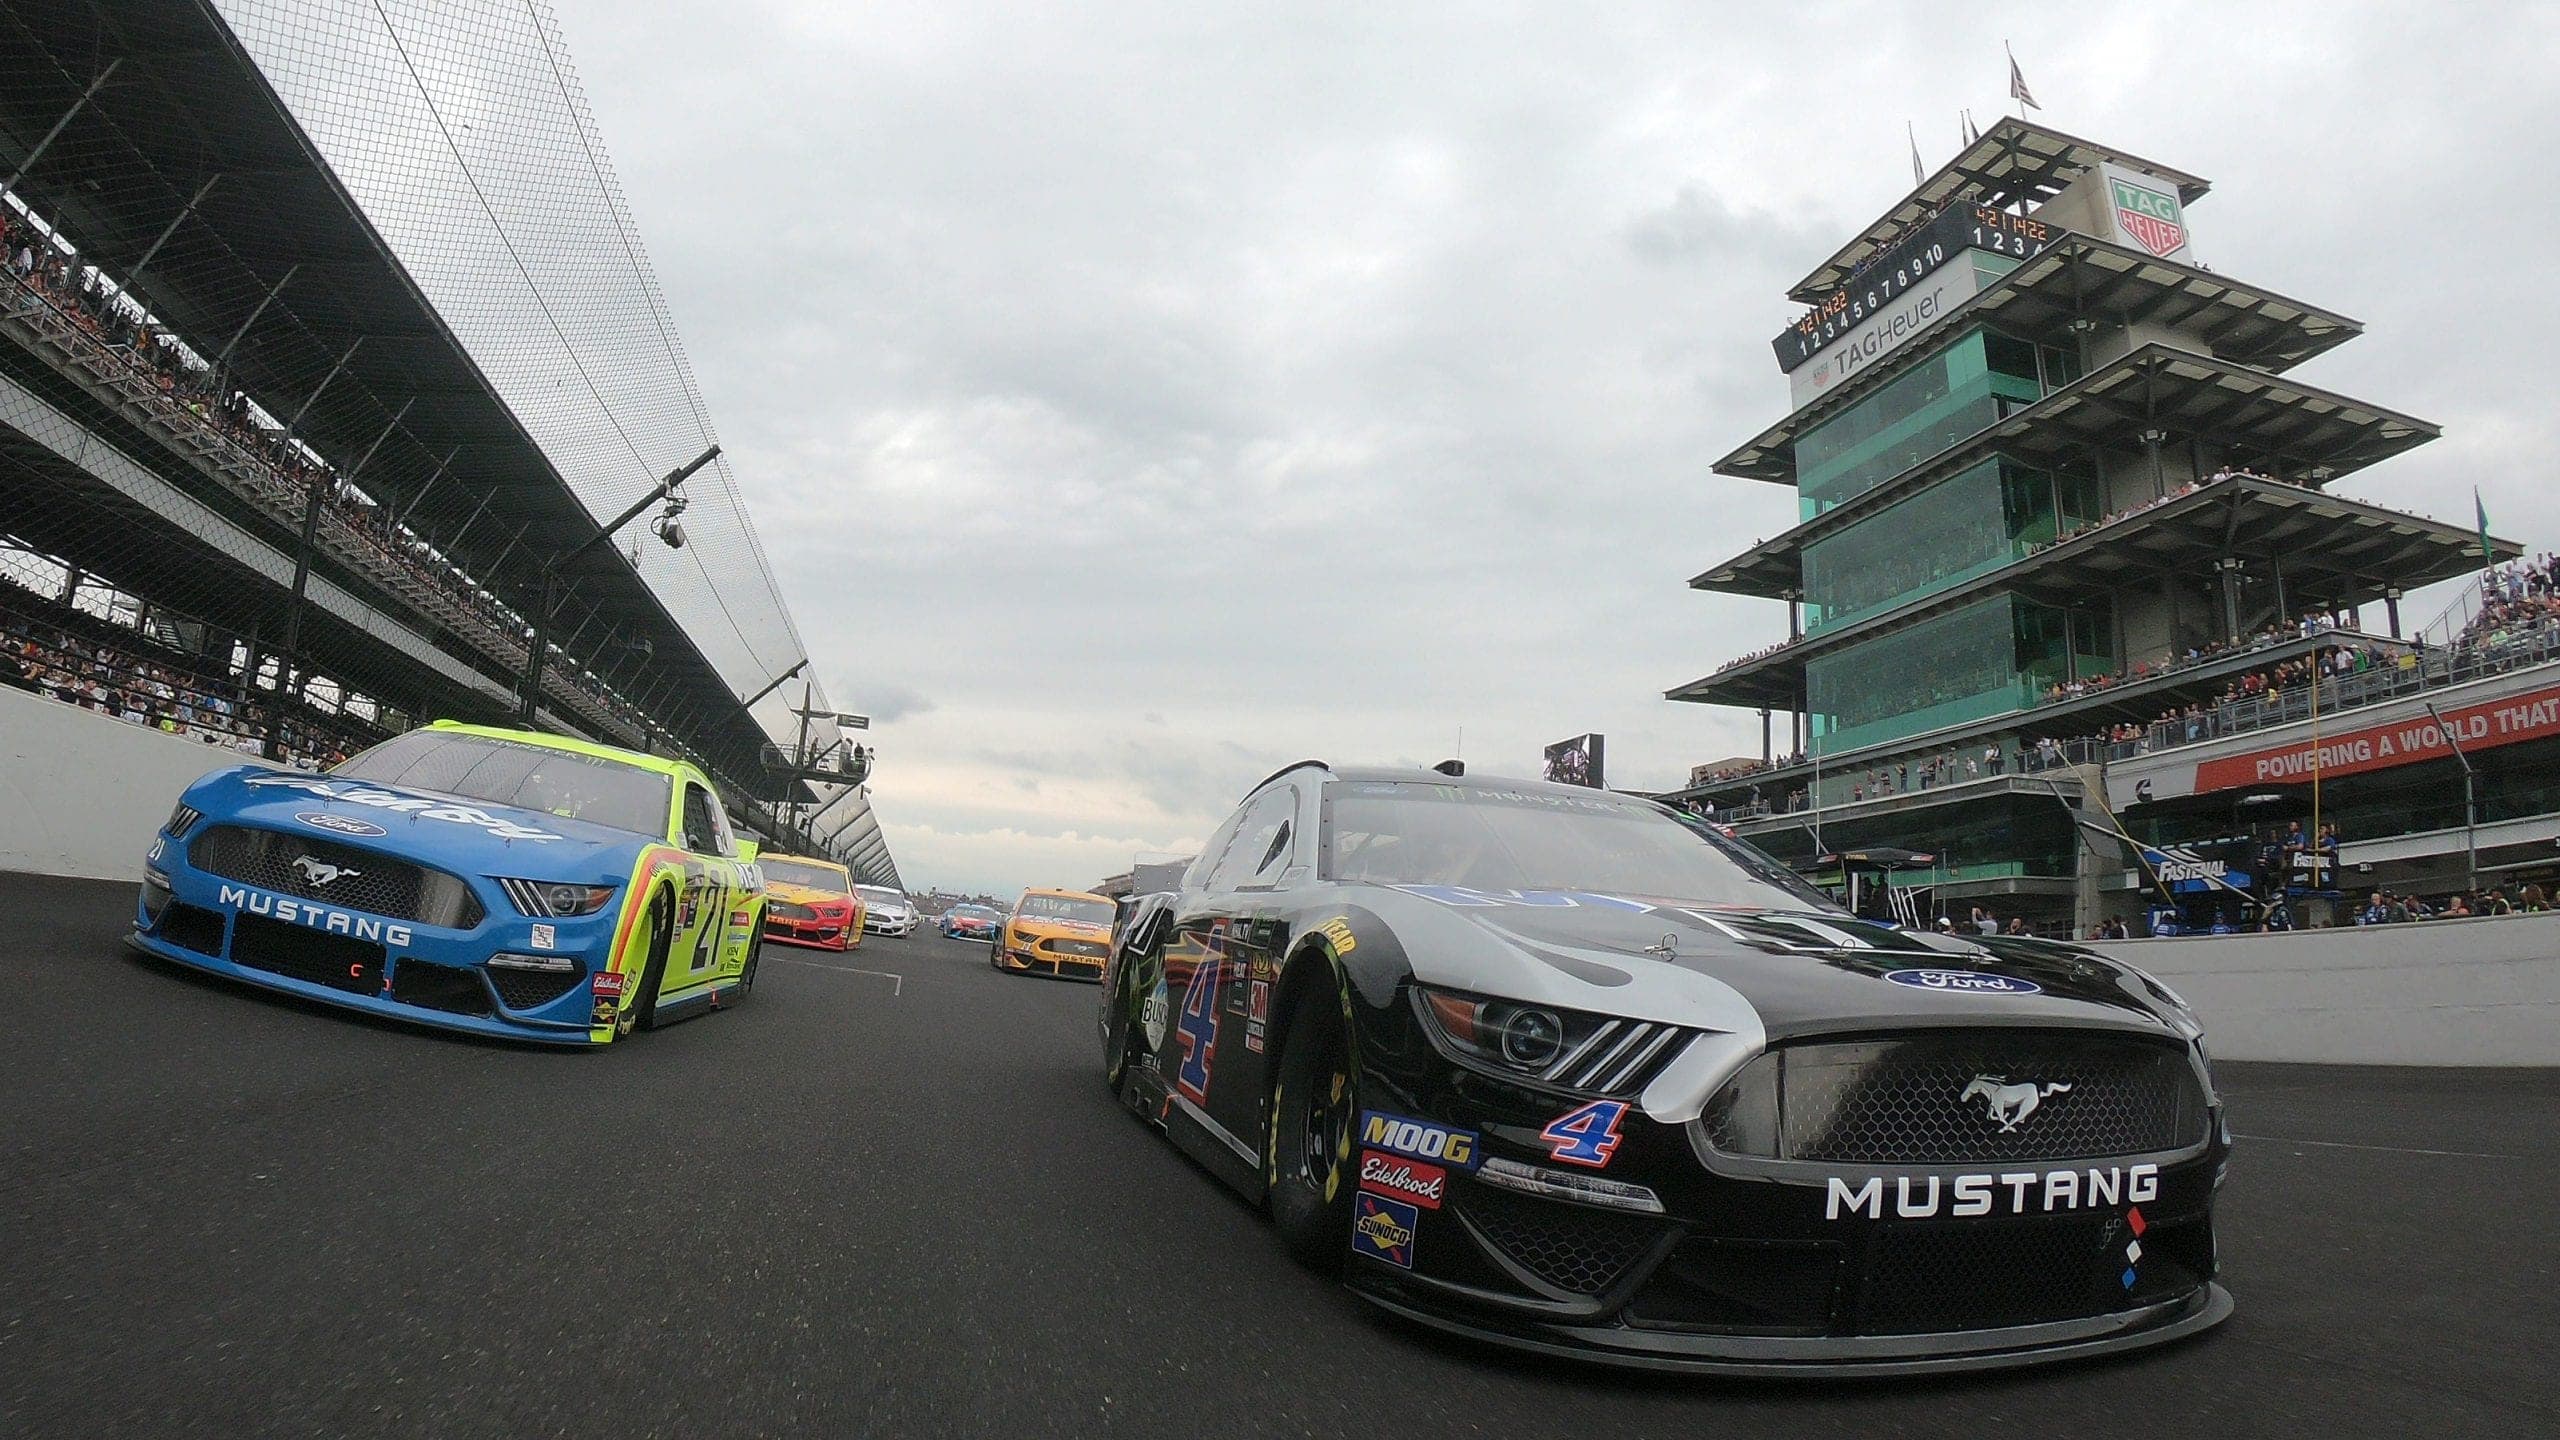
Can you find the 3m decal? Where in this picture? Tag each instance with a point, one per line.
(1337, 932)
(1257, 1015)
(1588, 1136)
(1417, 1182)
(1382, 1229)
(1419, 1139)
(1964, 982)
(342, 824)
(423, 808)
(1197, 1029)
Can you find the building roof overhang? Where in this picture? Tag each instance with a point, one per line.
(2332, 552)
(2077, 282)
(2016, 162)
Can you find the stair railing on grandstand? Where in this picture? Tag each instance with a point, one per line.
(2456, 617)
(381, 558)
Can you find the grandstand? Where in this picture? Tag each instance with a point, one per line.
(2067, 560)
(327, 350)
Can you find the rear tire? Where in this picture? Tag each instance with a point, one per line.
(1307, 1166)
(755, 952)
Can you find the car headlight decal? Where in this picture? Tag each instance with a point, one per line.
(1568, 1049)
(556, 900)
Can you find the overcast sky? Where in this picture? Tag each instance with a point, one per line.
(1137, 398)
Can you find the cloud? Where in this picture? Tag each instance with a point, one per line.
(1176, 393)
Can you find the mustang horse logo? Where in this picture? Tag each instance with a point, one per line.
(2010, 1104)
(321, 872)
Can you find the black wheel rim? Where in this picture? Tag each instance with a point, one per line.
(1326, 1126)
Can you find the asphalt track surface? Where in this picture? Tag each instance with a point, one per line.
(870, 1206)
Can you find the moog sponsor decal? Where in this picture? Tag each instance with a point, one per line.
(1419, 1139)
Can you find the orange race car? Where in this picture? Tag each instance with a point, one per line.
(1054, 932)
(812, 903)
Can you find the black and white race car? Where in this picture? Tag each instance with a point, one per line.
(1567, 1070)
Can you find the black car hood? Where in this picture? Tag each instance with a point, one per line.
(1795, 971)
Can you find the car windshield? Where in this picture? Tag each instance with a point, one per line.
(801, 872)
(592, 788)
(1065, 907)
(1411, 833)
(879, 895)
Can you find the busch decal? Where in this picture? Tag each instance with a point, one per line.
(421, 806)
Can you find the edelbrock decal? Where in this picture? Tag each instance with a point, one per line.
(425, 809)
(342, 824)
(1964, 982)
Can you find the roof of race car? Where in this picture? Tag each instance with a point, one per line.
(655, 764)
(820, 861)
(1066, 894)
(1411, 775)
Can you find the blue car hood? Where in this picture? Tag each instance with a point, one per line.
(473, 836)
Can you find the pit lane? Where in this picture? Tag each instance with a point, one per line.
(889, 1197)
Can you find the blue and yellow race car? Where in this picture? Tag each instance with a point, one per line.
(500, 882)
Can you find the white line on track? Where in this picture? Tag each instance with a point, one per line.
(897, 983)
(2382, 1149)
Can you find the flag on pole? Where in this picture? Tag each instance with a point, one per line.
(1917, 174)
(1971, 131)
(2488, 557)
(2018, 83)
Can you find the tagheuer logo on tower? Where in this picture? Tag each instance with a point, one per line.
(2151, 217)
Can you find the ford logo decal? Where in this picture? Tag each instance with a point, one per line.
(1964, 982)
(343, 824)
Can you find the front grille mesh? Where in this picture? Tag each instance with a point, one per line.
(1961, 1096)
(533, 989)
(370, 884)
(1922, 1279)
(312, 956)
(1572, 1247)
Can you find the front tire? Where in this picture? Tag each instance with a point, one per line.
(642, 1013)
(1307, 1156)
(755, 952)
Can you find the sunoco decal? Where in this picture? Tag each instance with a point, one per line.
(1964, 982)
(1382, 1229)
(425, 809)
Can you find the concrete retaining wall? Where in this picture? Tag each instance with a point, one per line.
(2439, 992)
(81, 792)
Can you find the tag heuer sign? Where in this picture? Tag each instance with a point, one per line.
(2151, 217)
